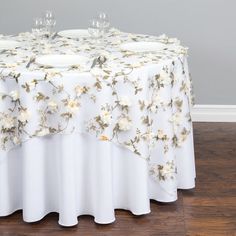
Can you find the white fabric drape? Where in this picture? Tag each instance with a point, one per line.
(52, 158)
(83, 176)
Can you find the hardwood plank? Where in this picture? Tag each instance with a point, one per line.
(210, 209)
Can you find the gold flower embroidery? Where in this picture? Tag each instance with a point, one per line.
(103, 138)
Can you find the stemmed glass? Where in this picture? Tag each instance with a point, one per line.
(38, 27)
(50, 22)
(94, 30)
(38, 31)
(104, 23)
(98, 27)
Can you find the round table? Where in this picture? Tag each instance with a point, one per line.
(91, 139)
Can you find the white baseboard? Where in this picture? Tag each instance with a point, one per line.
(214, 113)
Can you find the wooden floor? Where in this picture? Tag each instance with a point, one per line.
(208, 210)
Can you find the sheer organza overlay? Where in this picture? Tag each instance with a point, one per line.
(88, 141)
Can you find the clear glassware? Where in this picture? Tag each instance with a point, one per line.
(38, 27)
(38, 31)
(49, 22)
(94, 30)
(104, 22)
(102, 16)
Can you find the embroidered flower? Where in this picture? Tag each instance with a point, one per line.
(160, 134)
(149, 136)
(14, 95)
(32, 84)
(183, 135)
(24, 115)
(163, 36)
(163, 172)
(79, 90)
(164, 78)
(166, 170)
(43, 131)
(174, 40)
(72, 105)
(124, 124)
(103, 138)
(16, 140)
(125, 101)
(157, 99)
(176, 118)
(52, 106)
(52, 74)
(178, 49)
(106, 117)
(7, 122)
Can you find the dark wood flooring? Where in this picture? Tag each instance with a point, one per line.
(208, 210)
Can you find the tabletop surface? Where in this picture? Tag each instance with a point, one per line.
(17, 59)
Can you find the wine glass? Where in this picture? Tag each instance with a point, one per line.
(104, 22)
(102, 16)
(94, 29)
(38, 32)
(50, 22)
(38, 27)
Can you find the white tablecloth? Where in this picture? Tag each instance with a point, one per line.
(76, 175)
(74, 171)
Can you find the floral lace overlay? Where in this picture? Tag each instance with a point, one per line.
(138, 101)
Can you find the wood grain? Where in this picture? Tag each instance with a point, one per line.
(207, 210)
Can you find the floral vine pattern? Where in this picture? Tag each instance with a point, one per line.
(126, 106)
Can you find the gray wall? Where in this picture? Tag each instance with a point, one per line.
(207, 27)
